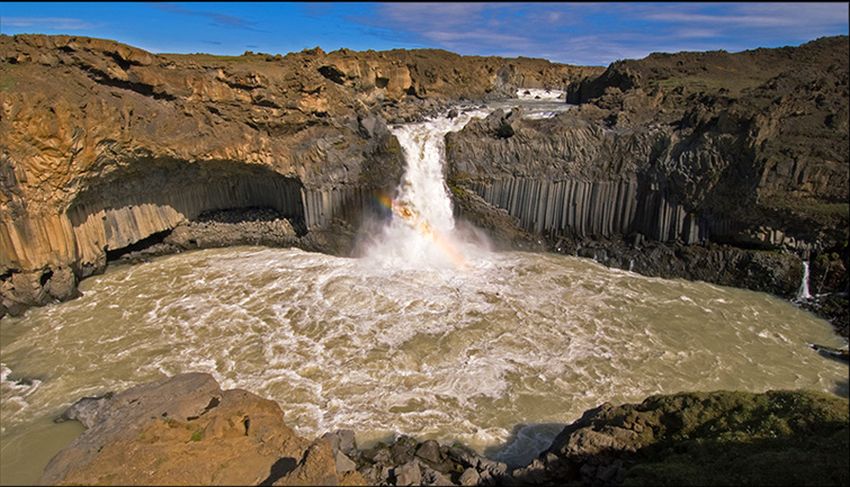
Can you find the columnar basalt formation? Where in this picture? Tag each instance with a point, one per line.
(747, 149)
(104, 144)
(592, 208)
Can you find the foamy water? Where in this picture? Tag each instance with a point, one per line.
(540, 94)
(438, 353)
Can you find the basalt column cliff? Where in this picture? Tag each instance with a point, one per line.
(728, 168)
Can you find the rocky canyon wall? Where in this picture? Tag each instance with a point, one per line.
(748, 150)
(104, 145)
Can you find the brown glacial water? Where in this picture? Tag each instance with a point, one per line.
(452, 354)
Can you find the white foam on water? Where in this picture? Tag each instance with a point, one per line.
(14, 394)
(540, 94)
(520, 339)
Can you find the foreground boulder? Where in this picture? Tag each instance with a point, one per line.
(186, 430)
(718, 438)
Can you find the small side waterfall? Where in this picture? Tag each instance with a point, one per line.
(803, 292)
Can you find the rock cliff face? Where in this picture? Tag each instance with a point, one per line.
(104, 145)
(747, 149)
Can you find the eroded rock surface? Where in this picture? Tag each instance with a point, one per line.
(183, 430)
(718, 438)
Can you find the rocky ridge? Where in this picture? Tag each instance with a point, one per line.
(185, 429)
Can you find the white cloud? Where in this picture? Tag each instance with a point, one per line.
(757, 16)
(54, 23)
(594, 33)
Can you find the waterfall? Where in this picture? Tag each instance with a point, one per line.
(422, 230)
(631, 265)
(803, 292)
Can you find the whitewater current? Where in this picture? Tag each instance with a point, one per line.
(427, 335)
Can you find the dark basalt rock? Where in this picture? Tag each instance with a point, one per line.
(743, 150)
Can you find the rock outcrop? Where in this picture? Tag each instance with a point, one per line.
(187, 430)
(175, 431)
(747, 149)
(718, 438)
(104, 145)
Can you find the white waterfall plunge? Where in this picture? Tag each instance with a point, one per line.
(803, 292)
(422, 232)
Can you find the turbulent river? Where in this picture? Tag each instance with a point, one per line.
(425, 335)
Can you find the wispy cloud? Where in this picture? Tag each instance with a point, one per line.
(218, 19)
(602, 32)
(763, 17)
(52, 23)
(737, 20)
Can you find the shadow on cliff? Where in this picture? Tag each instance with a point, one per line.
(814, 458)
(149, 196)
(280, 468)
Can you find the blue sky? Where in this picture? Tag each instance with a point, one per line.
(578, 33)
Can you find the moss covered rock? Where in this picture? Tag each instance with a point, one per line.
(718, 438)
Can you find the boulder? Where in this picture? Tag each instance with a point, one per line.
(180, 430)
(408, 473)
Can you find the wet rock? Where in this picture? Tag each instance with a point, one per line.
(86, 410)
(408, 474)
(342, 440)
(378, 454)
(434, 477)
(463, 455)
(469, 476)
(343, 463)
(430, 452)
(403, 450)
(496, 469)
(375, 474)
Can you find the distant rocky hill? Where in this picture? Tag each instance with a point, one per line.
(105, 145)
(748, 149)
